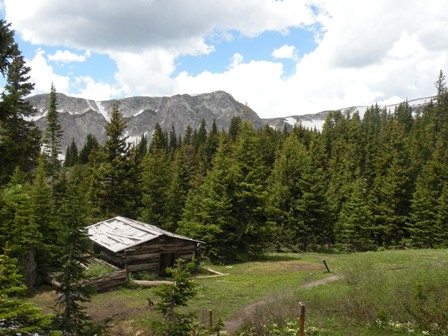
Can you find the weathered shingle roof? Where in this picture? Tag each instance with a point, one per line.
(119, 233)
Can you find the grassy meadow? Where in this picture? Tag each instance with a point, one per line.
(378, 293)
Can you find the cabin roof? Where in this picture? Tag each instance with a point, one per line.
(119, 233)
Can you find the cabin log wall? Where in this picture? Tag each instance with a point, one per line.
(147, 256)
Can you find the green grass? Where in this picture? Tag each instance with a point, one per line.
(97, 270)
(381, 293)
(389, 286)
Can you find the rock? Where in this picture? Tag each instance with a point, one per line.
(79, 117)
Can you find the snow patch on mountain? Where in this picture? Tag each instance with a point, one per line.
(139, 112)
(102, 110)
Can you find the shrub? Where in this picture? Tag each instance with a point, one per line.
(171, 298)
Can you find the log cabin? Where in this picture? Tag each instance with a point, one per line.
(137, 246)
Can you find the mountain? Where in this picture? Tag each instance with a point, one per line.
(317, 120)
(79, 117)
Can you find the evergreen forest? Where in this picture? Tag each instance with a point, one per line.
(362, 183)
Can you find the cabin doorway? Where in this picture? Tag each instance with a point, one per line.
(166, 260)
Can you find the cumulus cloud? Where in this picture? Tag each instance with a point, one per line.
(139, 24)
(360, 60)
(237, 59)
(90, 89)
(67, 56)
(240, 80)
(367, 52)
(149, 71)
(285, 52)
(42, 74)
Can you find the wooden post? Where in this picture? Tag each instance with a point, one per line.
(126, 265)
(193, 331)
(210, 317)
(301, 331)
(326, 266)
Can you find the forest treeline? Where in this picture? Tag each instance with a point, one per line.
(359, 184)
(362, 183)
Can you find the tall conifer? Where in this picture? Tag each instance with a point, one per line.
(52, 138)
(73, 319)
(20, 143)
(114, 186)
(18, 317)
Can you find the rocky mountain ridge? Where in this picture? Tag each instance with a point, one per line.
(79, 116)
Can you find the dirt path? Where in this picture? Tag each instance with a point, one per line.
(233, 324)
(321, 281)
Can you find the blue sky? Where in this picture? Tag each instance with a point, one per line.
(257, 48)
(280, 57)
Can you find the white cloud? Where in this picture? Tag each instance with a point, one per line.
(90, 89)
(285, 52)
(237, 59)
(146, 73)
(367, 51)
(67, 57)
(243, 80)
(43, 75)
(105, 25)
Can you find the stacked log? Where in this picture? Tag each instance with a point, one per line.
(101, 283)
(106, 282)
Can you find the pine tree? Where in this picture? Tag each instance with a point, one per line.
(13, 196)
(154, 185)
(297, 202)
(355, 220)
(425, 200)
(173, 143)
(71, 155)
(188, 135)
(208, 211)
(342, 140)
(441, 108)
(371, 124)
(200, 137)
(183, 172)
(114, 176)
(250, 195)
(7, 45)
(270, 142)
(73, 320)
(391, 187)
(211, 145)
(90, 146)
(18, 317)
(158, 142)
(20, 143)
(142, 147)
(234, 127)
(172, 297)
(28, 245)
(42, 216)
(441, 229)
(52, 138)
(227, 211)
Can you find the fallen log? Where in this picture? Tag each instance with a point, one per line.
(215, 274)
(146, 283)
